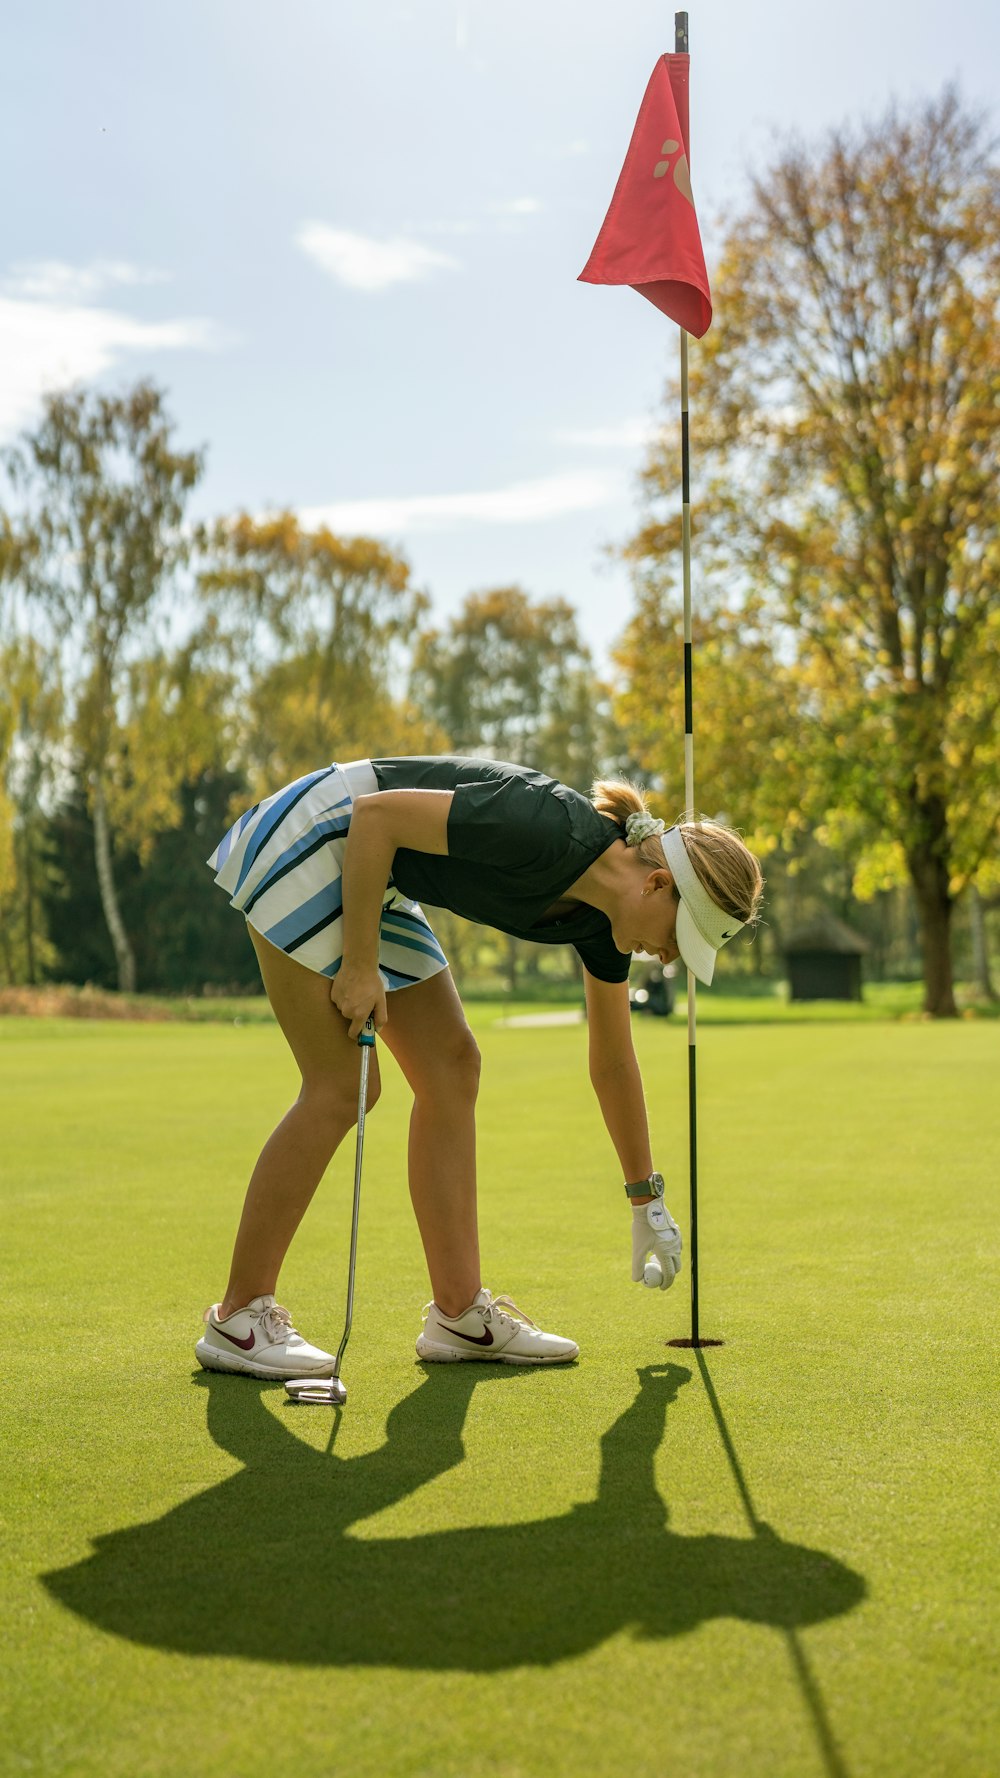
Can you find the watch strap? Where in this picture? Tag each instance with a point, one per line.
(653, 1185)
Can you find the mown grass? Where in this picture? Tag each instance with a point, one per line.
(776, 1560)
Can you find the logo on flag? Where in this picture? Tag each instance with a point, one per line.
(682, 177)
(650, 237)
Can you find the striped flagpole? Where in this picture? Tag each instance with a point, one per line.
(681, 48)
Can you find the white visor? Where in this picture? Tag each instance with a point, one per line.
(702, 927)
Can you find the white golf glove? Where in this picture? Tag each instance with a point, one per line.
(655, 1236)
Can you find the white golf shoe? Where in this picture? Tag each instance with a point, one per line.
(260, 1341)
(491, 1328)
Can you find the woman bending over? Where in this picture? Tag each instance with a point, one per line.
(329, 873)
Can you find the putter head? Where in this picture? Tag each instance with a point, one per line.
(327, 1392)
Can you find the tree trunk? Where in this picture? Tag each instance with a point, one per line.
(109, 900)
(927, 858)
(29, 898)
(980, 946)
(8, 960)
(511, 960)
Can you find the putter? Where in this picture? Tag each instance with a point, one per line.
(330, 1391)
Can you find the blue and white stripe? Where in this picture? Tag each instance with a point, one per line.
(281, 865)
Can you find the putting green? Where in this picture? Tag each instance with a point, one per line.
(775, 1558)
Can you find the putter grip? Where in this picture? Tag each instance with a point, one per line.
(366, 1037)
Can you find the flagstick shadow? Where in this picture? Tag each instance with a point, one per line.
(270, 1563)
(830, 1752)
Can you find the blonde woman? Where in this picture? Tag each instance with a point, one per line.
(329, 873)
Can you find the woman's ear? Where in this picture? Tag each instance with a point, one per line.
(658, 879)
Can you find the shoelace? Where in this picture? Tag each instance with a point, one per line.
(506, 1310)
(277, 1323)
(503, 1306)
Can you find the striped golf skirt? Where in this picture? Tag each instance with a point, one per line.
(281, 864)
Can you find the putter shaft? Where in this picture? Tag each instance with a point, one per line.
(367, 1042)
(330, 1390)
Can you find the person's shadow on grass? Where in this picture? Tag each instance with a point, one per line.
(264, 1565)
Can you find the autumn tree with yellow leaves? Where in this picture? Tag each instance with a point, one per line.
(316, 631)
(846, 431)
(32, 719)
(510, 677)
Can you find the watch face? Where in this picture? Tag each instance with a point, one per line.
(656, 1184)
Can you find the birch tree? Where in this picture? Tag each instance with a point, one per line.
(89, 544)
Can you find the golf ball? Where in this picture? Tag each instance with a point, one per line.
(652, 1274)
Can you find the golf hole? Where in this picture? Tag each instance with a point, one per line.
(694, 1343)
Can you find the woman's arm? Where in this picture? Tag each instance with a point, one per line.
(380, 825)
(615, 1075)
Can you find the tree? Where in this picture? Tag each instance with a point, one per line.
(31, 715)
(177, 724)
(748, 730)
(978, 908)
(512, 679)
(314, 628)
(97, 536)
(847, 409)
(184, 934)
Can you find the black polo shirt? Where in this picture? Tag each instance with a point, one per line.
(517, 840)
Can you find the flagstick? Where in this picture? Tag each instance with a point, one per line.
(689, 806)
(681, 48)
(674, 279)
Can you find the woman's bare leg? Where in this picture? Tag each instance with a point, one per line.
(428, 1036)
(297, 1154)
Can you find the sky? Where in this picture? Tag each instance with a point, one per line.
(346, 238)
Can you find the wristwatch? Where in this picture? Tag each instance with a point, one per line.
(653, 1185)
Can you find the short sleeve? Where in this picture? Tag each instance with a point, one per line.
(508, 823)
(602, 958)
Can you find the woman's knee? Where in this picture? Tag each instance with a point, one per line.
(334, 1102)
(454, 1067)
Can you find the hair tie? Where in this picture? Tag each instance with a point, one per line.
(641, 826)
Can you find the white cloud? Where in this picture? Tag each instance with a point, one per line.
(628, 435)
(363, 263)
(523, 503)
(51, 338)
(52, 280)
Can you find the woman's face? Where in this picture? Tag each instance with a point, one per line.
(647, 919)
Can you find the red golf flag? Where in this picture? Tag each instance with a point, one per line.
(650, 236)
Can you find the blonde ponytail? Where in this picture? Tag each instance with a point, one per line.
(619, 798)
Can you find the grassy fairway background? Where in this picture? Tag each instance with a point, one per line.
(777, 1563)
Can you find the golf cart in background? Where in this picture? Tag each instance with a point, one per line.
(651, 985)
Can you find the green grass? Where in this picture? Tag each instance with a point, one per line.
(777, 1560)
(734, 1000)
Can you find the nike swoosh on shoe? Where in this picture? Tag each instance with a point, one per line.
(246, 1345)
(483, 1339)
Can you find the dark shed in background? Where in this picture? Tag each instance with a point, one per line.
(823, 959)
